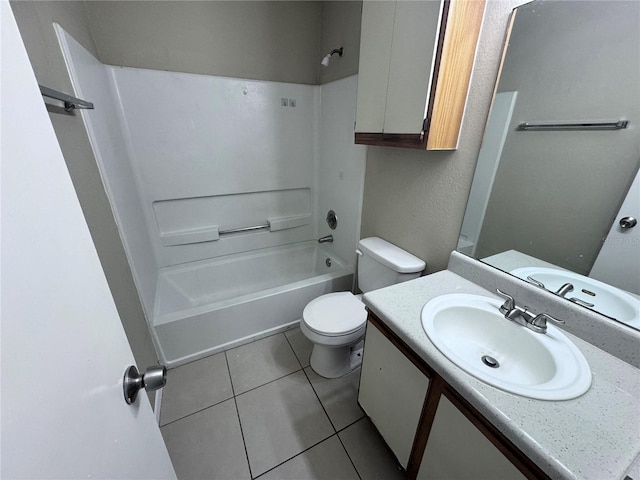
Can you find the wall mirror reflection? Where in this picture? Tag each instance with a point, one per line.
(555, 196)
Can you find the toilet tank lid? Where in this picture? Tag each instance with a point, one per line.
(391, 256)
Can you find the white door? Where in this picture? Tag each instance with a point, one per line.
(63, 348)
(618, 262)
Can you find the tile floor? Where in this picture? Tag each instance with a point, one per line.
(260, 411)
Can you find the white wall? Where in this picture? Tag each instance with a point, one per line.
(488, 160)
(213, 151)
(91, 81)
(184, 153)
(341, 165)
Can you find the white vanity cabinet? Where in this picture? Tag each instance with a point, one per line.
(432, 430)
(392, 392)
(415, 66)
(457, 450)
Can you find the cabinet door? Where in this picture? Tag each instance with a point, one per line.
(413, 50)
(456, 449)
(376, 34)
(392, 392)
(397, 49)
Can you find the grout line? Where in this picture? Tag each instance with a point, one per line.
(352, 423)
(228, 349)
(235, 402)
(293, 349)
(347, 451)
(193, 413)
(320, 401)
(297, 455)
(171, 369)
(334, 427)
(270, 381)
(226, 361)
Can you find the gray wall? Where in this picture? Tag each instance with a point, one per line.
(340, 28)
(35, 23)
(277, 40)
(416, 199)
(568, 61)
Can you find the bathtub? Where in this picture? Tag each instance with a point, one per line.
(209, 306)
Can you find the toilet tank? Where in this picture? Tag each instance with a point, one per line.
(382, 264)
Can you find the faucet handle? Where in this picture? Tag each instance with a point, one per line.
(509, 304)
(581, 302)
(540, 321)
(535, 282)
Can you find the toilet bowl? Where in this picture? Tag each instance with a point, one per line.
(335, 322)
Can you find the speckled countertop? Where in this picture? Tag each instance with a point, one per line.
(595, 436)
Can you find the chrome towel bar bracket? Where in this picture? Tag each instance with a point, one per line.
(70, 103)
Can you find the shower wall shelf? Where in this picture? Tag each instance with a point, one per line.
(619, 125)
(70, 103)
(213, 233)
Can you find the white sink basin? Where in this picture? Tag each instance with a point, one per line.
(608, 300)
(469, 328)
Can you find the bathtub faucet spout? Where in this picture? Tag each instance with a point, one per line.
(326, 239)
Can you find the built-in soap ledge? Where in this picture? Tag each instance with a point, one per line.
(208, 234)
(213, 233)
(284, 223)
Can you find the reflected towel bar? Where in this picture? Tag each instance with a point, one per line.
(70, 103)
(619, 125)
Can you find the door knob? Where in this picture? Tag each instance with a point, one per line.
(152, 379)
(628, 222)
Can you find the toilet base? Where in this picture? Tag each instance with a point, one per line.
(334, 362)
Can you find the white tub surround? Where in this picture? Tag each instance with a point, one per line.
(220, 186)
(594, 436)
(209, 306)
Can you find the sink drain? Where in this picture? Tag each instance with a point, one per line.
(490, 361)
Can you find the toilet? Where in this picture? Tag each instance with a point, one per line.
(335, 322)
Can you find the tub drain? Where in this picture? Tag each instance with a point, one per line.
(327, 262)
(490, 361)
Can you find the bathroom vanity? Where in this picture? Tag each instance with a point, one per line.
(441, 422)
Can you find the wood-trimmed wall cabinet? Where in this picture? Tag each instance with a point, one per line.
(432, 430)
(416, 59)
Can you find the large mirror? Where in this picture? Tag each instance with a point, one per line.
(553, 199)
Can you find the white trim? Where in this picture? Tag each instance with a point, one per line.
(158, 404)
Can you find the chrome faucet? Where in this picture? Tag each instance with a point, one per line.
(522, 316)
(564, 289)
(561, 292)
(326, 239)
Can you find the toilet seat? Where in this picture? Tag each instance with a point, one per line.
(335, 314)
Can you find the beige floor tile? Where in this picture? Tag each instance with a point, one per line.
(368, 452)
(280, 420)
(339, 396)
(326, 461)
(259, 362)
(208, 445)
(195, 386)
(301, 345)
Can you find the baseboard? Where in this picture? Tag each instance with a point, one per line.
(158, 404)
